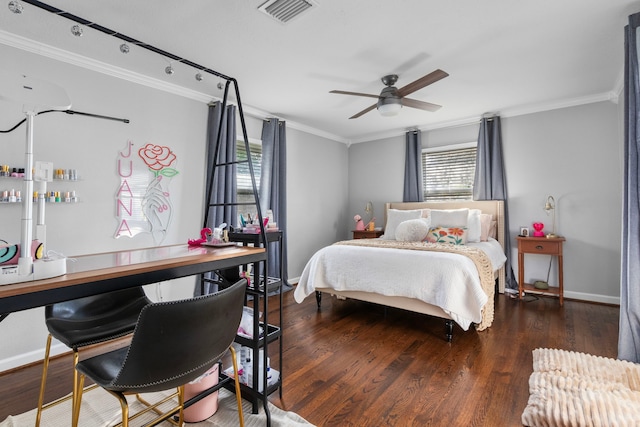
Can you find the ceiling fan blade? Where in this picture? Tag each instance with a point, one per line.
(422, 82)
(366, 110)
(343, 92)
(414, 103)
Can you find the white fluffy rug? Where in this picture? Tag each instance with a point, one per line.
(576, 389)
(101, 409)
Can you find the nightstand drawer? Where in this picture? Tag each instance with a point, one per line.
(541, 246)
(367, 234)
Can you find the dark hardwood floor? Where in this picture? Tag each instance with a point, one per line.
(357, 364)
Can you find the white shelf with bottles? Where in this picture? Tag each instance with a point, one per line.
(11, 187)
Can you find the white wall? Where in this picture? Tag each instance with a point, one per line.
(91, 146)
(572, 153)
(317, 195)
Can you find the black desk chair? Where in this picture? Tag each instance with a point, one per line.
(85, 321)
(174, 343)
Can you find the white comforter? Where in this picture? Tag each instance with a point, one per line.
(447, 280)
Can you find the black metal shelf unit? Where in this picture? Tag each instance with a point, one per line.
(258, 298)
(259, 288)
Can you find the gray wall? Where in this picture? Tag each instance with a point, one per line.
(574, 154)
(317, 177)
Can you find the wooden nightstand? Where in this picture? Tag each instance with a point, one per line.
(541, 246)
(365, 234)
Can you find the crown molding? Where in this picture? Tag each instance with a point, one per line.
(612, 96)
(48, 51)
(61, 55)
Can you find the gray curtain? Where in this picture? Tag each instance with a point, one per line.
(490, 182)
(629, 334)
(273, 186)
(413, 168)
(221, 124)
(221, 181)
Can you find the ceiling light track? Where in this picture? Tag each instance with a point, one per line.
(123, 37)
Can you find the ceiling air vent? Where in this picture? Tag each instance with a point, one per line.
(285, 10)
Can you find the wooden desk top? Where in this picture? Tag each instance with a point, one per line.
(104, 272)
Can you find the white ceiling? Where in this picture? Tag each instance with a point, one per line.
(503, 56)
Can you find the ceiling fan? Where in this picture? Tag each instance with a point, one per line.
(391, 99)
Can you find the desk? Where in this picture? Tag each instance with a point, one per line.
(111, 271)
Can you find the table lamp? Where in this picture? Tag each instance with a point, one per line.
(550, 209)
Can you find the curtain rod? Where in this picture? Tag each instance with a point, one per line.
(124, 37)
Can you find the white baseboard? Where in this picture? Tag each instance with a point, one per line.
(30, 357)
(293, 280)
(582, 296)
(59, 348)
(604, 299)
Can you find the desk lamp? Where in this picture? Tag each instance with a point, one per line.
(35, 96)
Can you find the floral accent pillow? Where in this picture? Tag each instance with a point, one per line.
(452, 235)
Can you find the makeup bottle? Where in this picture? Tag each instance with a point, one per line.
(14, 173)
(18, 196)
(12, 196)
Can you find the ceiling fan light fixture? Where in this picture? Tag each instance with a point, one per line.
(390, 106)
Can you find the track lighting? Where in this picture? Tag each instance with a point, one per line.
(15, 7)
(76, 30)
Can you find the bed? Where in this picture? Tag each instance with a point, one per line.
(436, 279)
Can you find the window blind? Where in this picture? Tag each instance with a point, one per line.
(448, 175)
(243, 174)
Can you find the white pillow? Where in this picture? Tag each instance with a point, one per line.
(449, 217)
(413, 230)
(395, 217)
(485, 225)
(474, 226)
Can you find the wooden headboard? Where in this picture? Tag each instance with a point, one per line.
(492, 207)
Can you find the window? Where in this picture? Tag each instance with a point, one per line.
(448, 174)
(243, 174)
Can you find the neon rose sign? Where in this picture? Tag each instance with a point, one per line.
(143, 202)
